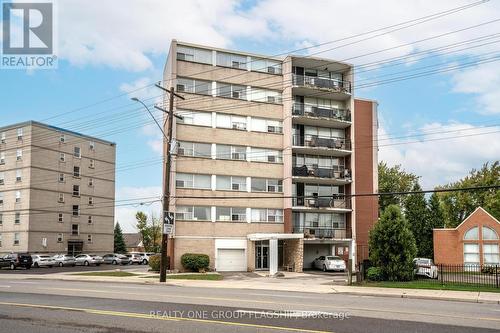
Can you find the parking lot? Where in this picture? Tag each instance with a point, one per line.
(76, 269)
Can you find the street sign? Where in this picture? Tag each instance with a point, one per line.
(168, 228)
(168, 217)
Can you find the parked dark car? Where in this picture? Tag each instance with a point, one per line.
(15, 260)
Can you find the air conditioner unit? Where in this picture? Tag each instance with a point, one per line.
(238, 156)
(272, 188)
(2, 181)
(179, 183)
(181, 56)
(271, 129)
(180, 151)
(271, 218)
(271, 99)
(271, 70)
(181, 87)
(239, 126)
(237, 64)
(271, 158)
(236, 94)
(236, 187)
(235, 217)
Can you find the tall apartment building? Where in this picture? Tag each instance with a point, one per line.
(268, 152)
(57, 190)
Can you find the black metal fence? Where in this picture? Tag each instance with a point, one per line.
(449, 275)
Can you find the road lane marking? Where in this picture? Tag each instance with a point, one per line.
(391, 311)
(147, 316)
(278, 295)
(4, 286)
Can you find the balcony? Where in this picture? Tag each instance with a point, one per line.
(312, 232)
(336, 115)
(332, 88)
(335, 202)
(335, 176)
(314, 144)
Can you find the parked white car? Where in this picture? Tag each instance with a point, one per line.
(330, 263)
(42, 260)
(425, 267)
(64, 260)
(88, 259)
(145, 256)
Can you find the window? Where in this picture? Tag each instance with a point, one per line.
(60, 217)
(2, 178)
(186, 180)
(231, 183)
(89, 238)
(76, 171)
(91, 181)
(1, 198)
(75, 230)
(61, 197)
(472, 234)
(18, 196)
(275, 215)
(194, 86)
(267, 125)
(91, 201)
(266, 65)
(471, 254)
(491, 254)
(60, 179)
(19, 175)
(231, 91)
(19, 154)
(76, 210)
(264, 95)
(231, 60)
(187, 53)
(194, 213)
(76, 190)
(62, 157)
(231, 121)
(77, 152)
(225, 152)
(2, 158)
(17, 218)
(20, 133)
(92, 145)
(92, 164)
(489, 234)
(196, 118)
(62, 138)
(230, 214)
(90, 220)
(59, 238)
(259, 215)
(195, 149)
(266, 155)
(16, 238)
(2, 137)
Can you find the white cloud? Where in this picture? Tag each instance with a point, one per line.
(442, 161)
(126, 214)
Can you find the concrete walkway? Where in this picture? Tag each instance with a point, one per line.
(298, 282)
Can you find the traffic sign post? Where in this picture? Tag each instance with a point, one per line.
(168, 218)
(168, 228)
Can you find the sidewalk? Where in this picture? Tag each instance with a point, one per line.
(294, 282)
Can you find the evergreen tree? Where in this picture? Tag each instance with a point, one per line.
(120, 246)
(417, 215)
(392, 245)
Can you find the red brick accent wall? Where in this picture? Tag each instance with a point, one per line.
(366, 208)
(449, 243)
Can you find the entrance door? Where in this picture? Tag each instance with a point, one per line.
(75, 248)
(262, 255)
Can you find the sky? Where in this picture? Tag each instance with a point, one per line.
(437, 126)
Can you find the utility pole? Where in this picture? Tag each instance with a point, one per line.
(166, 183)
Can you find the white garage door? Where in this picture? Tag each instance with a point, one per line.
(231, 260)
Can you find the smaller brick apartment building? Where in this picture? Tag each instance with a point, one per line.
(475, 241)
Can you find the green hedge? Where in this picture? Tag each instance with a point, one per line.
(154, 262)
(374, 274)
(195, 262)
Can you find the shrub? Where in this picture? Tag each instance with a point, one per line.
(195, 262)
(374, 274)
(154, 262)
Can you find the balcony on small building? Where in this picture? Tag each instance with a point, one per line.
(336, 202)
(313, 115)
(335, 176)
(312, 232)
(321, 145)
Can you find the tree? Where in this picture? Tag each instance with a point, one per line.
(435, 220)
(150, 231)
(417, 215)
(119, 244)
(392, 245)
(458, 205)
(393, 179)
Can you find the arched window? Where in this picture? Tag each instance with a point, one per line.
(472, 233)
(489, 234)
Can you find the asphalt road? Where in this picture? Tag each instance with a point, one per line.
(64, 306)
(56, 269)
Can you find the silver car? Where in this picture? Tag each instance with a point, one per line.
(42, 260)
(116, 259)
(135, 258)
(88, 259)
(63, 260)
(330, 263)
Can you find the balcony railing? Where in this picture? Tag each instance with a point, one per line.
(321, 141)
(314, 171)
(335, 201)
(301, 109)
(322, 83)
(319, 232)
